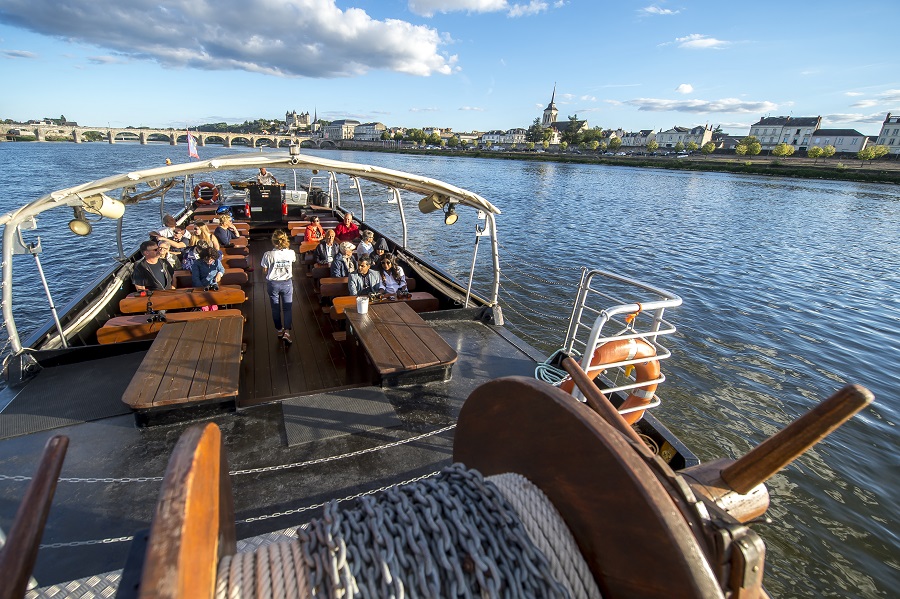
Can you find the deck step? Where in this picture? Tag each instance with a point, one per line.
(339, 336)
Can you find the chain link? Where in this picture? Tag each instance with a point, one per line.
(84, 543)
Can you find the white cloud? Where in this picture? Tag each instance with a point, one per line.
(427, 8)
(875, 117)
(865, 104)
(891, 95)
(472, 108)
(18, 54)
(588, 98)
(655, 10)
(429, 109)
(308, 38)
(853, 94)
(701, 106)
(684, 88)
(106, 60)
(526, 10)
(698, 41)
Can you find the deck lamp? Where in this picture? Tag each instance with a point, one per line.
(80, 225)
(103, 205)
(450, 216)
(431, 203)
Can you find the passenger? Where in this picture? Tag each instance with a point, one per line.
(174, 259)
(327, 249)
(265, 178)
(314, 231)
(203, 234)
(278, 266)
(366, 245)
(392, 276)
(191, 254)
(226, 232)
(381, 248)
(168, 232)
(207, 270)
(151, 273)
(344, 263)
(367, 280)
(347, 230)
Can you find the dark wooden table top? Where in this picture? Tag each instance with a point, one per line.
(189, 362)
(397, 339)
(419, 301)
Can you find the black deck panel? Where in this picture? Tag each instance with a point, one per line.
(320, 416)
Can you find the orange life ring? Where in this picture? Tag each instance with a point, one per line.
(621, 351)
(206, 185)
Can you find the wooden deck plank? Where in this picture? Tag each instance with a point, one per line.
(183, 365)
(204, 364)
(145, 382)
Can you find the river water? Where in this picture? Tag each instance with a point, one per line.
(790, 291)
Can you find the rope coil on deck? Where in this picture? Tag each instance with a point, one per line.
(455, 534)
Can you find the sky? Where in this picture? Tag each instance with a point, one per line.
(470, 65)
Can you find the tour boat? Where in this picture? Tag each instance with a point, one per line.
(404, 444)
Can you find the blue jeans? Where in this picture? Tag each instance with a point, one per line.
(281, 295)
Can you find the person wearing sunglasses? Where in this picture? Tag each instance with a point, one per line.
(314, 231)
(151, 273)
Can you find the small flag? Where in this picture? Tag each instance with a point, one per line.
(192, 146)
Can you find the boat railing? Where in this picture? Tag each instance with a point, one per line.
(610, 308)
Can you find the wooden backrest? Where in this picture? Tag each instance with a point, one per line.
(193, 525)
(334, 287)
(235, 261)
(137, 328)
(18, 555)
(182, 300)
(232, 276)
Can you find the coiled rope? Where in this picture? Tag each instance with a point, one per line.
(455, 534)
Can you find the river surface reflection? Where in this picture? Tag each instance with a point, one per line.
(790, 290)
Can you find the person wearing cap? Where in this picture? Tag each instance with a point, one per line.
(265, 178)
(365, 281)
(328, 249)
(347, 230)
(344, 263)
(366, 245)
(314, 231)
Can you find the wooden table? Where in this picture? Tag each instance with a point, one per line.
(419, 301)
(180, 299)
(401, 347)
(189, 363)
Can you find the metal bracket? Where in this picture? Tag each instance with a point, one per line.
(19, 245)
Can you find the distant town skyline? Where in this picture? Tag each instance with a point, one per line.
(463, 64)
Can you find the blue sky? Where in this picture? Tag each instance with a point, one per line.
(464, 64)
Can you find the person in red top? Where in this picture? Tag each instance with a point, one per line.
(314, 231)
(347, 230)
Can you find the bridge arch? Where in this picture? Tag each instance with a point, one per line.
(328, 143)
(125, 135)
(215, 139)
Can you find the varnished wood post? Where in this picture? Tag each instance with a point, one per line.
(785, 446)
(19, 554)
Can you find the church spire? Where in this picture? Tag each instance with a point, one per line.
(553, 97)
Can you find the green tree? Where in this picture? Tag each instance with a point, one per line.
(828, 151)
(692, 146)
(594, 144)
(615, 143)
(563, 145)
(740, 150)
(385, 135)
(398, 136)
(815, 153)
(513, 146)
(593, 134)
(529, 145)
(865, 154)
(488, 144)
(783, 150)
(708, 148)
(881, 151)
(433, 140)
(416, 135)
(679, 147)
(583, 145)
(443, 142)
(465, 143)
(535, 132)
(603, 145)
(572, 134)
(652, 145)
(454, 142)
(750, 146)
(545, 144)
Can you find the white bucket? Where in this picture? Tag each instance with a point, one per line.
(362, 304)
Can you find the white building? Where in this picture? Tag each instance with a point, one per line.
(890, 133)
(638, 139)
(368, 131)
(513, 136)
(492, 136)
(843, 140)
(794, 131)
(340, 129)
(698, 135)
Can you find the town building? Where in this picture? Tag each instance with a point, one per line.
(340, 129)
(890, 133)
(638, 139)
(794, 131)
(843, 140)
(369, 131)
(294, 121)
(700, 135)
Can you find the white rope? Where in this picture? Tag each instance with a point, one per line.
(549, 533)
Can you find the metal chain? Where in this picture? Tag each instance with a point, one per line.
(143, 479)
(83, 543)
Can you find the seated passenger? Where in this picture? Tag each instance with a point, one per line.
(151, 273)
(366, 280)
(366, 245)
(381, 248)
(226, 232)
(169, 230)
(314, 231)
(174, 259)
(201, 230)
(207, 270)
(328, 249)
(347, 230)
(393, 278)
(344, 263)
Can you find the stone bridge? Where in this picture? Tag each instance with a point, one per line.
(171, 136)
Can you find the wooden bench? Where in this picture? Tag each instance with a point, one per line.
(182, 299)
(138, 328)
(400, 346)
(234, 261)
(189, 362)
(232, 276)
(334, 286)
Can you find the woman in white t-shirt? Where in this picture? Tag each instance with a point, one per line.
(278, 266)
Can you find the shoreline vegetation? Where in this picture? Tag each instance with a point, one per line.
(839, 169)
